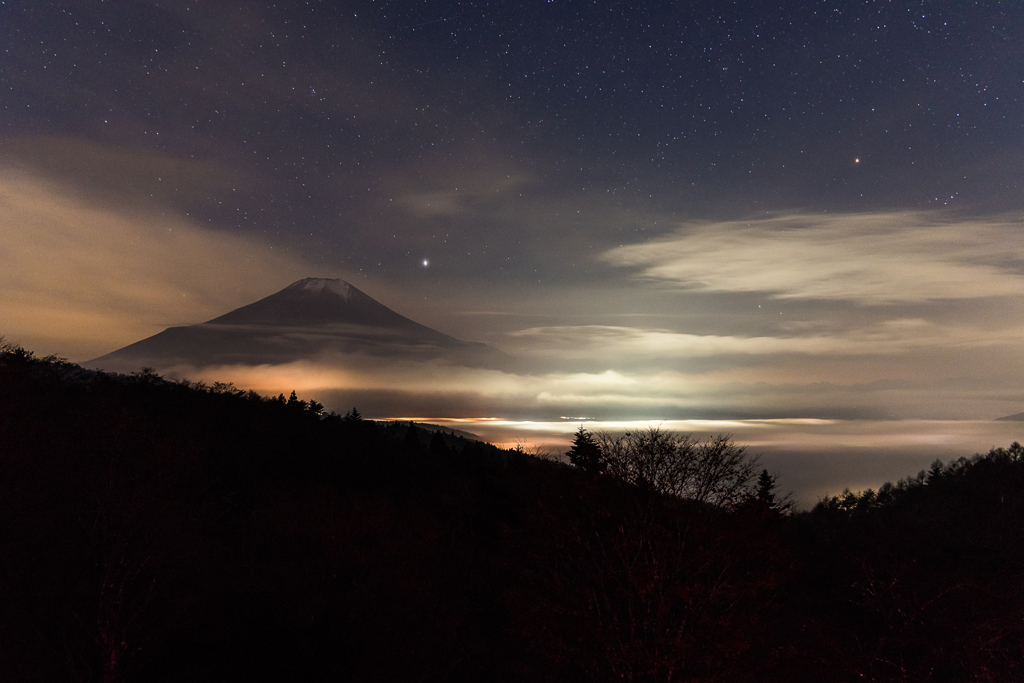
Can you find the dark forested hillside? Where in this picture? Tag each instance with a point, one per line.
(168, 531)
(926, 577)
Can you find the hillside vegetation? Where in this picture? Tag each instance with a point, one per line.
(174, 531)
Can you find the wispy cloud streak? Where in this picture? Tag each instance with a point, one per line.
(887, 338)
(80, 278)
(880, 258)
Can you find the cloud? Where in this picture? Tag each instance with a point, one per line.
(882, 258)
(476, 389)
(79, 278)
(885, 338)
(484, 183)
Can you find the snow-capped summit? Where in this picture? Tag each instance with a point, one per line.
(315, 285)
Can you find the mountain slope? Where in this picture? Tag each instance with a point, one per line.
(311, 318)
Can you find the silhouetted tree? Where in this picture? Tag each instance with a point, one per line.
(715, 471)
(586, 452)
(766, 499)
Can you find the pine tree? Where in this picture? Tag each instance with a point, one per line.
(766, 496)
(766, 489)
(586, 453)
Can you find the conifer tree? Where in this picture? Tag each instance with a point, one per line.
(586, 452)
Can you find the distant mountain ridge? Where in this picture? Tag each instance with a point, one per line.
(310, 318)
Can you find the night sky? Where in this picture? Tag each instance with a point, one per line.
(718, 209)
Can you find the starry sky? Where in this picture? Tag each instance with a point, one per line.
(720, 209)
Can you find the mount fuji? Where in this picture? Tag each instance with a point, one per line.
(311, 318)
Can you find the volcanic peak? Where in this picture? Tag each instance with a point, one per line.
(310, 318)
